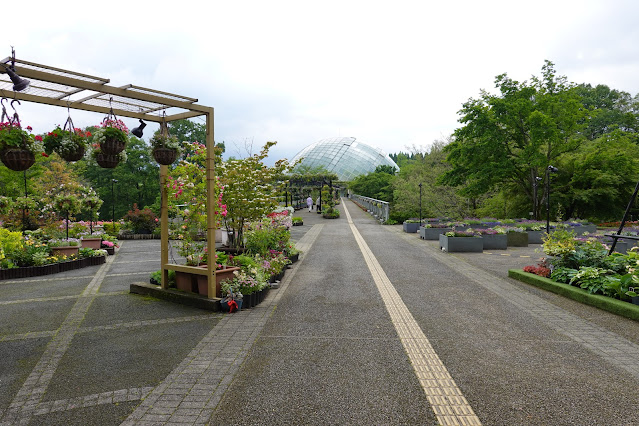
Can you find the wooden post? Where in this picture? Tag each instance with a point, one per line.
(210, 204)
(164, 226)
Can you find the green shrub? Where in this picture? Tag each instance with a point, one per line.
(141, 221)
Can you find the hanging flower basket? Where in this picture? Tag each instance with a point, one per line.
(165, 148)
(17, 159)
(107, 161)
(112, 135)
(112, 146)
(74, 155)
(165, 156)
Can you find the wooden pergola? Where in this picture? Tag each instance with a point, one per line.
(69, 89)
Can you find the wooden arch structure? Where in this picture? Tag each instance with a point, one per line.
(69, 89)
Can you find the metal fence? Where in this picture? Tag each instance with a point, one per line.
(378, 208)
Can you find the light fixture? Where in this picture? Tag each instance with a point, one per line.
(138, 130)
(19, 84)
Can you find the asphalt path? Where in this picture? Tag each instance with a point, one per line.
(327, 347)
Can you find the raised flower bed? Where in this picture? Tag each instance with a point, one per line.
(432, 232)
(461, 241)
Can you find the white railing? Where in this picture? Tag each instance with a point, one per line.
(378, 208)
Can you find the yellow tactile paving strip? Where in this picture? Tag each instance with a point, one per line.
(446, 400)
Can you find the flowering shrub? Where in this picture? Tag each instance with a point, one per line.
(468, 233)
(141, 221)
(160, 140)
(489, 231)
(71, 242)
(437, 225)
(542, 271)
(111, 129)
(13, 136)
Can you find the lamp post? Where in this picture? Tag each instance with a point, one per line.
(548, 170)
(535, 205)
(420, 205)
(113, 182)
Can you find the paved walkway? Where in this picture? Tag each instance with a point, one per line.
(372, 326)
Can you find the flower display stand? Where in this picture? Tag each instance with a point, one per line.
(535, 237)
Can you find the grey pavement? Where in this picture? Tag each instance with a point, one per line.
(324, 348)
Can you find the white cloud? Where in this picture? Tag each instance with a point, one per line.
(390, 74)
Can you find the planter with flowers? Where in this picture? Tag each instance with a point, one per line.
(517, 236)
(68, 247)
(432, 231)
(18, 147)
(111, 136)
(92, 241)
(461, 241)
(493, 238)
(68, 144)
(164, 147)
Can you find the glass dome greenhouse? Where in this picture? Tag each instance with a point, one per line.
(345, 157)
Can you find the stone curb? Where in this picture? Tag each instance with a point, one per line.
(618, 307)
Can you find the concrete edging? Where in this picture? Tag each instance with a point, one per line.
(618, 307)
(194, 300)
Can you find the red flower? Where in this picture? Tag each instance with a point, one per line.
(44, 154)
(29, 128)
(38, 138)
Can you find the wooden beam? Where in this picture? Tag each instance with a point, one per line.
(98, 87)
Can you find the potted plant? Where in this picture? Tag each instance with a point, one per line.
(70, 145)
(461, 241)
(111, 136)
(297, 221)
(165, 148)
(18, 147)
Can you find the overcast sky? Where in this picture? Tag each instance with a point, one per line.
(391, 74)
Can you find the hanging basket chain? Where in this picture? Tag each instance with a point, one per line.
(111, 114)
(5, 114)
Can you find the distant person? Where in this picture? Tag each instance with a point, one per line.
(309, 203)
(317, 203)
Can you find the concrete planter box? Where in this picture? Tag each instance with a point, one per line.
(535, 237)
(495, 242)
(517, 239)
(411, 227)
(461, 244)
(432, 233)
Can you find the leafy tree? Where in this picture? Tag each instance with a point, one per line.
(437, 199)
(377, 184)
(510, 139)
(250, 190)
(190, 131)
(607, 110)
(597, 179)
